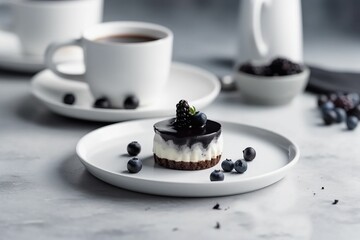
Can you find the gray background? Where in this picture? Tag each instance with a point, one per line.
(46, 193)
(340, 15)
(327, 23)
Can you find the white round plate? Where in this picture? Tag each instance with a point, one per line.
(194, 84)
(12, 58)
(103, 152)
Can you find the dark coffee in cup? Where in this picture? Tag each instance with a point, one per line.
(126, 38)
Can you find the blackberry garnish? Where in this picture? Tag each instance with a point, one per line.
(183, 116)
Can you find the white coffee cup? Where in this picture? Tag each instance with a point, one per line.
(37, 23)
(116, 70)
(270, 29)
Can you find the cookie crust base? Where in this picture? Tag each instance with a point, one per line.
(187, 165)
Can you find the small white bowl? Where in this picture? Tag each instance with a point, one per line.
(273, 90)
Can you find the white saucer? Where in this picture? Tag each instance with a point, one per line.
(12, 58)
(194, 84)
(103, 152)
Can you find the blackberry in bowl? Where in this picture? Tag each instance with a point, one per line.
(276, 83)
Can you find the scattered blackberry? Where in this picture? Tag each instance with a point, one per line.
(329, 105)
(343, 102)
(322, 99)
(352, 122)
(329, 117)
(340, 115)
(333, 96)
(355, 112)
(354, 97)
(183, 116)
(340, 107)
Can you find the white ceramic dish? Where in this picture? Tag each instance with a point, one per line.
(12, 58)
(194, 84)
(271, 90)
(103, 152)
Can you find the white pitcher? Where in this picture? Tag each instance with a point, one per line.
(269, 29)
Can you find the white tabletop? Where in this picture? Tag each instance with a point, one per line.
(46, 193)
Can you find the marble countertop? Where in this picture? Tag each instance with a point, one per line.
(46, 193)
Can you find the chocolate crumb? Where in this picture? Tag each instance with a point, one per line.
(217, 207)
(335, 202)
(322, 188)
(217, 225)
(175, 229)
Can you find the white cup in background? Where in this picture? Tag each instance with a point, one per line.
(37, 23)
(269, 29)
(115, 70)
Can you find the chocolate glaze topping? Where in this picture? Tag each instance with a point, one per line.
(167, 130)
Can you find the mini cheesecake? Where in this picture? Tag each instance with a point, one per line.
(192, 148)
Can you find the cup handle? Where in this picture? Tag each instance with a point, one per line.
(256, 10)
(49, 59)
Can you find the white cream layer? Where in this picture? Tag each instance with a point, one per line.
(196, 153)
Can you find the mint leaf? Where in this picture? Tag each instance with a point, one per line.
(192, 110)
